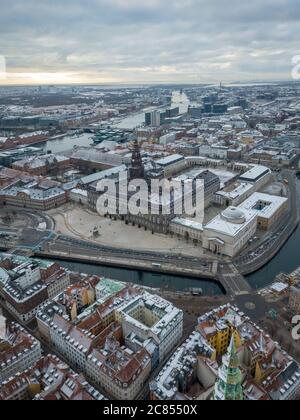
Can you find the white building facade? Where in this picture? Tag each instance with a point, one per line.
(230, 231)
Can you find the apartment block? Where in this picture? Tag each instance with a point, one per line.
(18, 349)
(49, 379)
(25, 284)
(228, 351)
(116, 340)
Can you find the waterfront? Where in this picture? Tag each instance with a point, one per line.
(286, 261)
(148, 279)
(65, 144)
(133, 121)
(178, 100)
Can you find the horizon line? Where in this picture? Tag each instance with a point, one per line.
(152, 83)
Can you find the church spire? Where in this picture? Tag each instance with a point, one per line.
(229, 382)
(136, 170)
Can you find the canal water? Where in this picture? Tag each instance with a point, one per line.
(148, 279)
(178, 100)
(286, 261)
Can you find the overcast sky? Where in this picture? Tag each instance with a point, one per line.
(134, 41)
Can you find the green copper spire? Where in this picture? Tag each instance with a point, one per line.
(229, 382)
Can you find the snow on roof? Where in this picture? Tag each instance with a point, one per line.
(188, 223)
(239, 190)
(279, 287)
(169, 160)
(103, 174)
(33, 134)
(33, 193)
(255, 173)
(79, 192)
(41, 161)
(107, 144)
(219, 225)
(96, 155)
(264, 205)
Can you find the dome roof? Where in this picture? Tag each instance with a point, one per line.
(234, 215)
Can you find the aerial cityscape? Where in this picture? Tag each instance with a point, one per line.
(149, 203)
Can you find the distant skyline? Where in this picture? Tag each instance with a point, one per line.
(157, 41)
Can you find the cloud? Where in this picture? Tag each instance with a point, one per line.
(151, 41)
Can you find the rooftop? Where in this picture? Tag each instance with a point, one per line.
(54, 380)
(196, 356)
(231, 222)
(14, 343)
(255, 173)
(170, 160)
(24, 279)
(264, 205)
(236, 190)
(40, 161)
(188, 223)
(108, 287)
(165, 313)
(102, 175)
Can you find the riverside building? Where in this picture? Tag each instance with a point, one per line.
(26, 284)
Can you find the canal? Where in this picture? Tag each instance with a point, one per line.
(286, 261)
(148, 279)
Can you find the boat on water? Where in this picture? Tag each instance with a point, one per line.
(196, 291)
